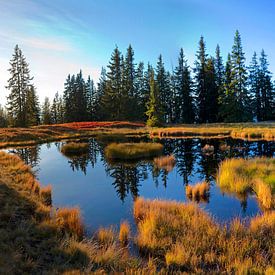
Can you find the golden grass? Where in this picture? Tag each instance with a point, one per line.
(36, 239)
(129, 151)
(73, 148)
(46, 194)
(69, 220)
(199, 191)
(165, 162)
(124, 233)
(241, 176)
(185, 238)
(106, 236)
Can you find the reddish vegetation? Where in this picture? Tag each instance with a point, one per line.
(101, 124)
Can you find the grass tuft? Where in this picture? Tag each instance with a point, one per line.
(165, 162)
(198, 192)
(124, 233)
(46, 194)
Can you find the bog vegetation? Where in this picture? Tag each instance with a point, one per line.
(171, 236)
(74, 148)
(254, 175)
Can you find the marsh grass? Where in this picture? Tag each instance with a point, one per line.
(198, 192)
(75, 148)
(257, 175)
(131, 151)
(185, 238)
(46, 194)
(165, 162)
(37, 239)
(124, 233)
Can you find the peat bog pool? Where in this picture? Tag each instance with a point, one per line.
(105, 191)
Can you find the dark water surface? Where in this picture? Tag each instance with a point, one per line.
(105, 192)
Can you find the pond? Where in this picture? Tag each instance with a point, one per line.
(105, 191)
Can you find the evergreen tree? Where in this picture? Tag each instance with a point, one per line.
(153, 112)
(200, 77)
(3, 117)
(253, 81)
(113, 99)
(46, 112)
(219, 69)
(19, 85)
(266, 89)
(101, 88)
(242, 110)
(212, 95)
(32, 108)
(183, 102)
(163, 86)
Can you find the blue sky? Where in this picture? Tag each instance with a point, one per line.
(60, 37)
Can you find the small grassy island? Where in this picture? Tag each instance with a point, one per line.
(133, 151)
(74, 148)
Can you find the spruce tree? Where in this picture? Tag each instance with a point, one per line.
(32, 108)
(266, 88)
(183, 101)
(113, 99)
(46, 112)
(154, 113)
(253, 81)
(163, 86)
(200, 78)
(242, 108)
(19, 85)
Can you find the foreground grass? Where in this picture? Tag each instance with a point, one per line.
(185, 238)
(241, 176)
(36, 239)
(131, 151)
(74, 148)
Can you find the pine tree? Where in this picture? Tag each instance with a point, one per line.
(212, 95)
(153, 112)
(32, 108)
(220, 71)
(19, 84)
(113, 99)
(253, 81)
(100, 91)
(3, 117)
(200, 77)
(183, 102)
(242, 109)
(266, 88)
(163, 86)
(46, 112)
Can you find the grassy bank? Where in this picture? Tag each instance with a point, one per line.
(114, 131)
(185, 238)
(37, 239)
(131, 151)
(241, 176)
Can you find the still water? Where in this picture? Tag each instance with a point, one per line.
(105, 191)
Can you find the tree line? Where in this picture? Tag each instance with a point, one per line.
(211, 91)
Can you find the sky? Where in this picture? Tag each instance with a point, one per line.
(61, 37)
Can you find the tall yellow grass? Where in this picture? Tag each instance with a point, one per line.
(124, 233)
(199, 191)
(185, 238)
(241, 176)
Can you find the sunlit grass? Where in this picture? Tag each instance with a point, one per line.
(241, 176)
(133, 150)
(185, 238)
(124, 233)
